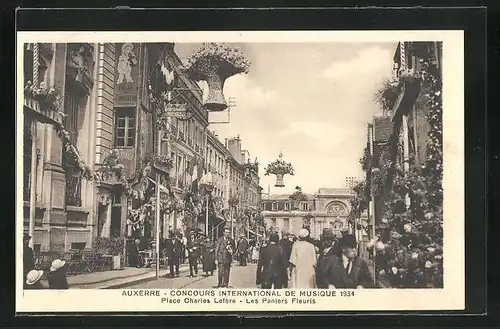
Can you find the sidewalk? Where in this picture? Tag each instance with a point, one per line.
(117, 279)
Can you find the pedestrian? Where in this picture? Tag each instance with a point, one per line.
(193, 249)
(177, 252)
(57, 275)
(286, 244)
(271, 267)
(303, 262)
(255, 253)
(33, 280)
(242, 250)
(347, 270)
(184, 251)
(329, 250)
(224, 252)
(208, 257)
(28, 256)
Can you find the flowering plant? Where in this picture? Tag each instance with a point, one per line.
(49, 98)
(217, 58)
(279, 167)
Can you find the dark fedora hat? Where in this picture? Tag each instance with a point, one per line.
(328, 234)
(347, 241)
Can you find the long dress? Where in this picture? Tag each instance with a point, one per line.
(208, 257)
(303, 257)
(255, 253)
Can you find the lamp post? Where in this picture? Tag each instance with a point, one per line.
(208, 185)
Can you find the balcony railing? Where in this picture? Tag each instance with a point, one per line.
(181, 135)
(190, 141)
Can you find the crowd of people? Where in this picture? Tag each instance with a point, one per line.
(296, 262)
(292, 262)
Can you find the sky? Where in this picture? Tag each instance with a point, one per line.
(310, 101)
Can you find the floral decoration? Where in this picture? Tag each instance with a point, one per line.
(49, 98)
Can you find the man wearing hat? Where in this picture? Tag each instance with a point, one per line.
(224, 252)
(193, 248)
(328, 252)
(303, 262)
(242, 250)
(347, 270)
(33, 280)
(57, 275)
(271, 268)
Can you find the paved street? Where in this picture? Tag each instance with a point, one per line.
(241, 277)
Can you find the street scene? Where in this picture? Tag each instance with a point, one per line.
(232, 165)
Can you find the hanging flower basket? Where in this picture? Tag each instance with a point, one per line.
(280, 168)
(214, 63)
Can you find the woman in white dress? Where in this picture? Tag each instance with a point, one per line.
(303, 263)
(255, 253)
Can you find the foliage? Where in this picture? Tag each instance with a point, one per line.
(49, 98)
(279, 167)
(297, 196)
(410, 239)
(216, 58)
(109, 246)
(387, 94)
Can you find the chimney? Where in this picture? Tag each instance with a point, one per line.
(225, 143)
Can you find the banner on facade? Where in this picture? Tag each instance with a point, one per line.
(126, 75)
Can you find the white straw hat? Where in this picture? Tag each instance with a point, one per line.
(33, 276)
(57, 264)
(303, 233)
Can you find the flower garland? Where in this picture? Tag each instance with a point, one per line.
(410, 251)
(217, 58)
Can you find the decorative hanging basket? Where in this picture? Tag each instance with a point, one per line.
(280, 168)
(279, 181)
(214, 63)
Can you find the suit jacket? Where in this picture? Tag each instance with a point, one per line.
(173, 248)
(194, 249)
(222, 254)
(286, 245)
(243, 246)
(323, 266)
(272, 265)
(337, 274)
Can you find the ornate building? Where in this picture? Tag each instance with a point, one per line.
(329, 207)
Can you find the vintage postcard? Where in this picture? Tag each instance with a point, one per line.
(240, 171)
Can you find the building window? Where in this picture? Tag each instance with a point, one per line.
(286, 224)
(125, 127)
(72, 102)
(304, 206)
(274, 206)
(287, 206)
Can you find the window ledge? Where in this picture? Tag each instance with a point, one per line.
(77, 209)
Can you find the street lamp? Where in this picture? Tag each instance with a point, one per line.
(208, 184)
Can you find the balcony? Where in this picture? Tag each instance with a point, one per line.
(41, 113)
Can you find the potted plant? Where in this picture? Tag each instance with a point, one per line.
(214, 63)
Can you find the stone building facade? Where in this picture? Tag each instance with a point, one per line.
(328, 208)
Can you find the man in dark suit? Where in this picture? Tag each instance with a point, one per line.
(286, 244)
(242, 250)
(193, 248)
(347, 271)
(173, 250)
(329, 249)
(224, 252)
(271, 268)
